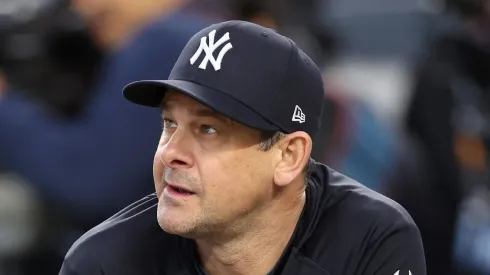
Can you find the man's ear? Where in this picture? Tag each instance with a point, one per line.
(295, 150)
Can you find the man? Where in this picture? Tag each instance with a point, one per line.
(236, 189)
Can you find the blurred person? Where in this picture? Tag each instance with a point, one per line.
(236, 189)
(89, 167)
(74, 146)
(447, 156)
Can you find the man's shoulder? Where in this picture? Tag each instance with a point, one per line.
(352, 221)
(349, 198)
(365, 206)
(128, 237)
(347, 211)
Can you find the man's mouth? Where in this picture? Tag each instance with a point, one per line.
(178, 191)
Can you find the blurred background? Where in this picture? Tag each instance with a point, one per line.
(407, 111)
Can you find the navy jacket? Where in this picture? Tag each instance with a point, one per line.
(345, 229)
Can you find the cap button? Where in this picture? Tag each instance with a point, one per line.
(265, 34)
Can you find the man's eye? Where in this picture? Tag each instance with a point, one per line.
(167, 123)
(208, 129)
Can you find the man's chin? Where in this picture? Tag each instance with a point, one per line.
(174, 226)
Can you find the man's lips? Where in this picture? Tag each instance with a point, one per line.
(180, 189)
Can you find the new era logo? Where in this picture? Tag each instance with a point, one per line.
(398, 272)
(209, 51)
(298, 115)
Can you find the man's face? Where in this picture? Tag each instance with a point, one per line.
(218, 162)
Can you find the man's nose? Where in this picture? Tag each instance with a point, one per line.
(177, 153)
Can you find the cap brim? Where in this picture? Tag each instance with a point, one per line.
(151, 93)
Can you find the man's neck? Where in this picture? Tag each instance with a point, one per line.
(258, 250)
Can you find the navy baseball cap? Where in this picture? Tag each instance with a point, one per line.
(246, 72)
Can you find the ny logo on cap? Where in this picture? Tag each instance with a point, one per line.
(209, 51)
(298, 115)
